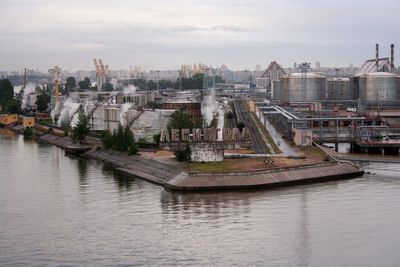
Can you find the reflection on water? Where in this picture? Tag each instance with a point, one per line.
(58, 210)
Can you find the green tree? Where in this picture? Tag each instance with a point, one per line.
(70, 84)
(81, 130)
(141, 84)
(151, 85)
(85, 84)
(12, 106)
(219, 79)
(153, 105)
(156, 138)
(107, 139)
(42, 102)
(6, 92)
(122, 139)
(164, 84)
(39, 89)
(180, 120)
(108, 87)
(28, 133)
(184, 154)
(133, 149)
(197, 81)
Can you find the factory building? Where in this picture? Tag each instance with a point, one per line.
(149, 123)
(138, 99)
(28, 121)
(8, 119)
(378, 64)
(375, 81)
(193, 108)
(272, 73)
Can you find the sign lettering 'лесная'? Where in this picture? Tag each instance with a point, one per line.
(205, 135)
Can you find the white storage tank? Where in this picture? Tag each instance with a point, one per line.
(302, 87)
(382, 86)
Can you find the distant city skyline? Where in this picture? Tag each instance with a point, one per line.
(166, 34)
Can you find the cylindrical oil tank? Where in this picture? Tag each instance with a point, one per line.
(303, 86)
(277, 91)
(382, 86)
(339, 89)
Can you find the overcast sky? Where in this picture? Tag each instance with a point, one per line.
(163, 34)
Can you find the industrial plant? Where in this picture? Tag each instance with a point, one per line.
(279, 113)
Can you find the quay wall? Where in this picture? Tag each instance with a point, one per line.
(176, 178)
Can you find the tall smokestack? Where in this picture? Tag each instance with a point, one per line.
(376, 56)
(392, 57)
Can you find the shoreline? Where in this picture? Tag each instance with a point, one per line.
(175, 177)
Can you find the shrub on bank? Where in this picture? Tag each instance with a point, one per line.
(184, 154)
(121, 139)
(133, 149)
(28, 133)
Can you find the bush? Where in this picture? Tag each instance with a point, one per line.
(107, 139)
(183, 155)
(28, 133)
(133, 149)
(156, 138)
(121, 139)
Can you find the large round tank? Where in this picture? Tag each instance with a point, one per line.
(303, 87)
(380, 86)
(339, 89)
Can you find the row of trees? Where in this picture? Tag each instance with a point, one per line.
(7, 102)
(72, 85)
(195, 82)
(121, 139)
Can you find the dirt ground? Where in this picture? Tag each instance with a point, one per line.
(311, 156)
(240, 151)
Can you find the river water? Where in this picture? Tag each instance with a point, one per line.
(61, 211)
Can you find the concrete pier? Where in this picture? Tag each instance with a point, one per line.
(263, 179)
(176, 178)
(66, 143)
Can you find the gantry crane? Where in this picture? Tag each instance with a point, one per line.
(56, 72)
(101, 73)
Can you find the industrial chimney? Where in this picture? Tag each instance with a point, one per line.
(376, 56)
(392, 57)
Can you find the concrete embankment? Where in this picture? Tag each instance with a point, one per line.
(176, 178)
(66, 143)
(268, 178)
(147, 169)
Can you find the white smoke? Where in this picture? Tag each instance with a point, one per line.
(123, 117)
(114, 83)
(210, 109)
(221, 121)
(130, 89)
(68, 114)
(29, 88)
(55, 111)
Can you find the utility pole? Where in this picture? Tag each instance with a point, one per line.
(26, 70)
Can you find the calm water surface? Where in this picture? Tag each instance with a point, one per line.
(62, 211)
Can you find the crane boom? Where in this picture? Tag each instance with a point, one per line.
(97, 66)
